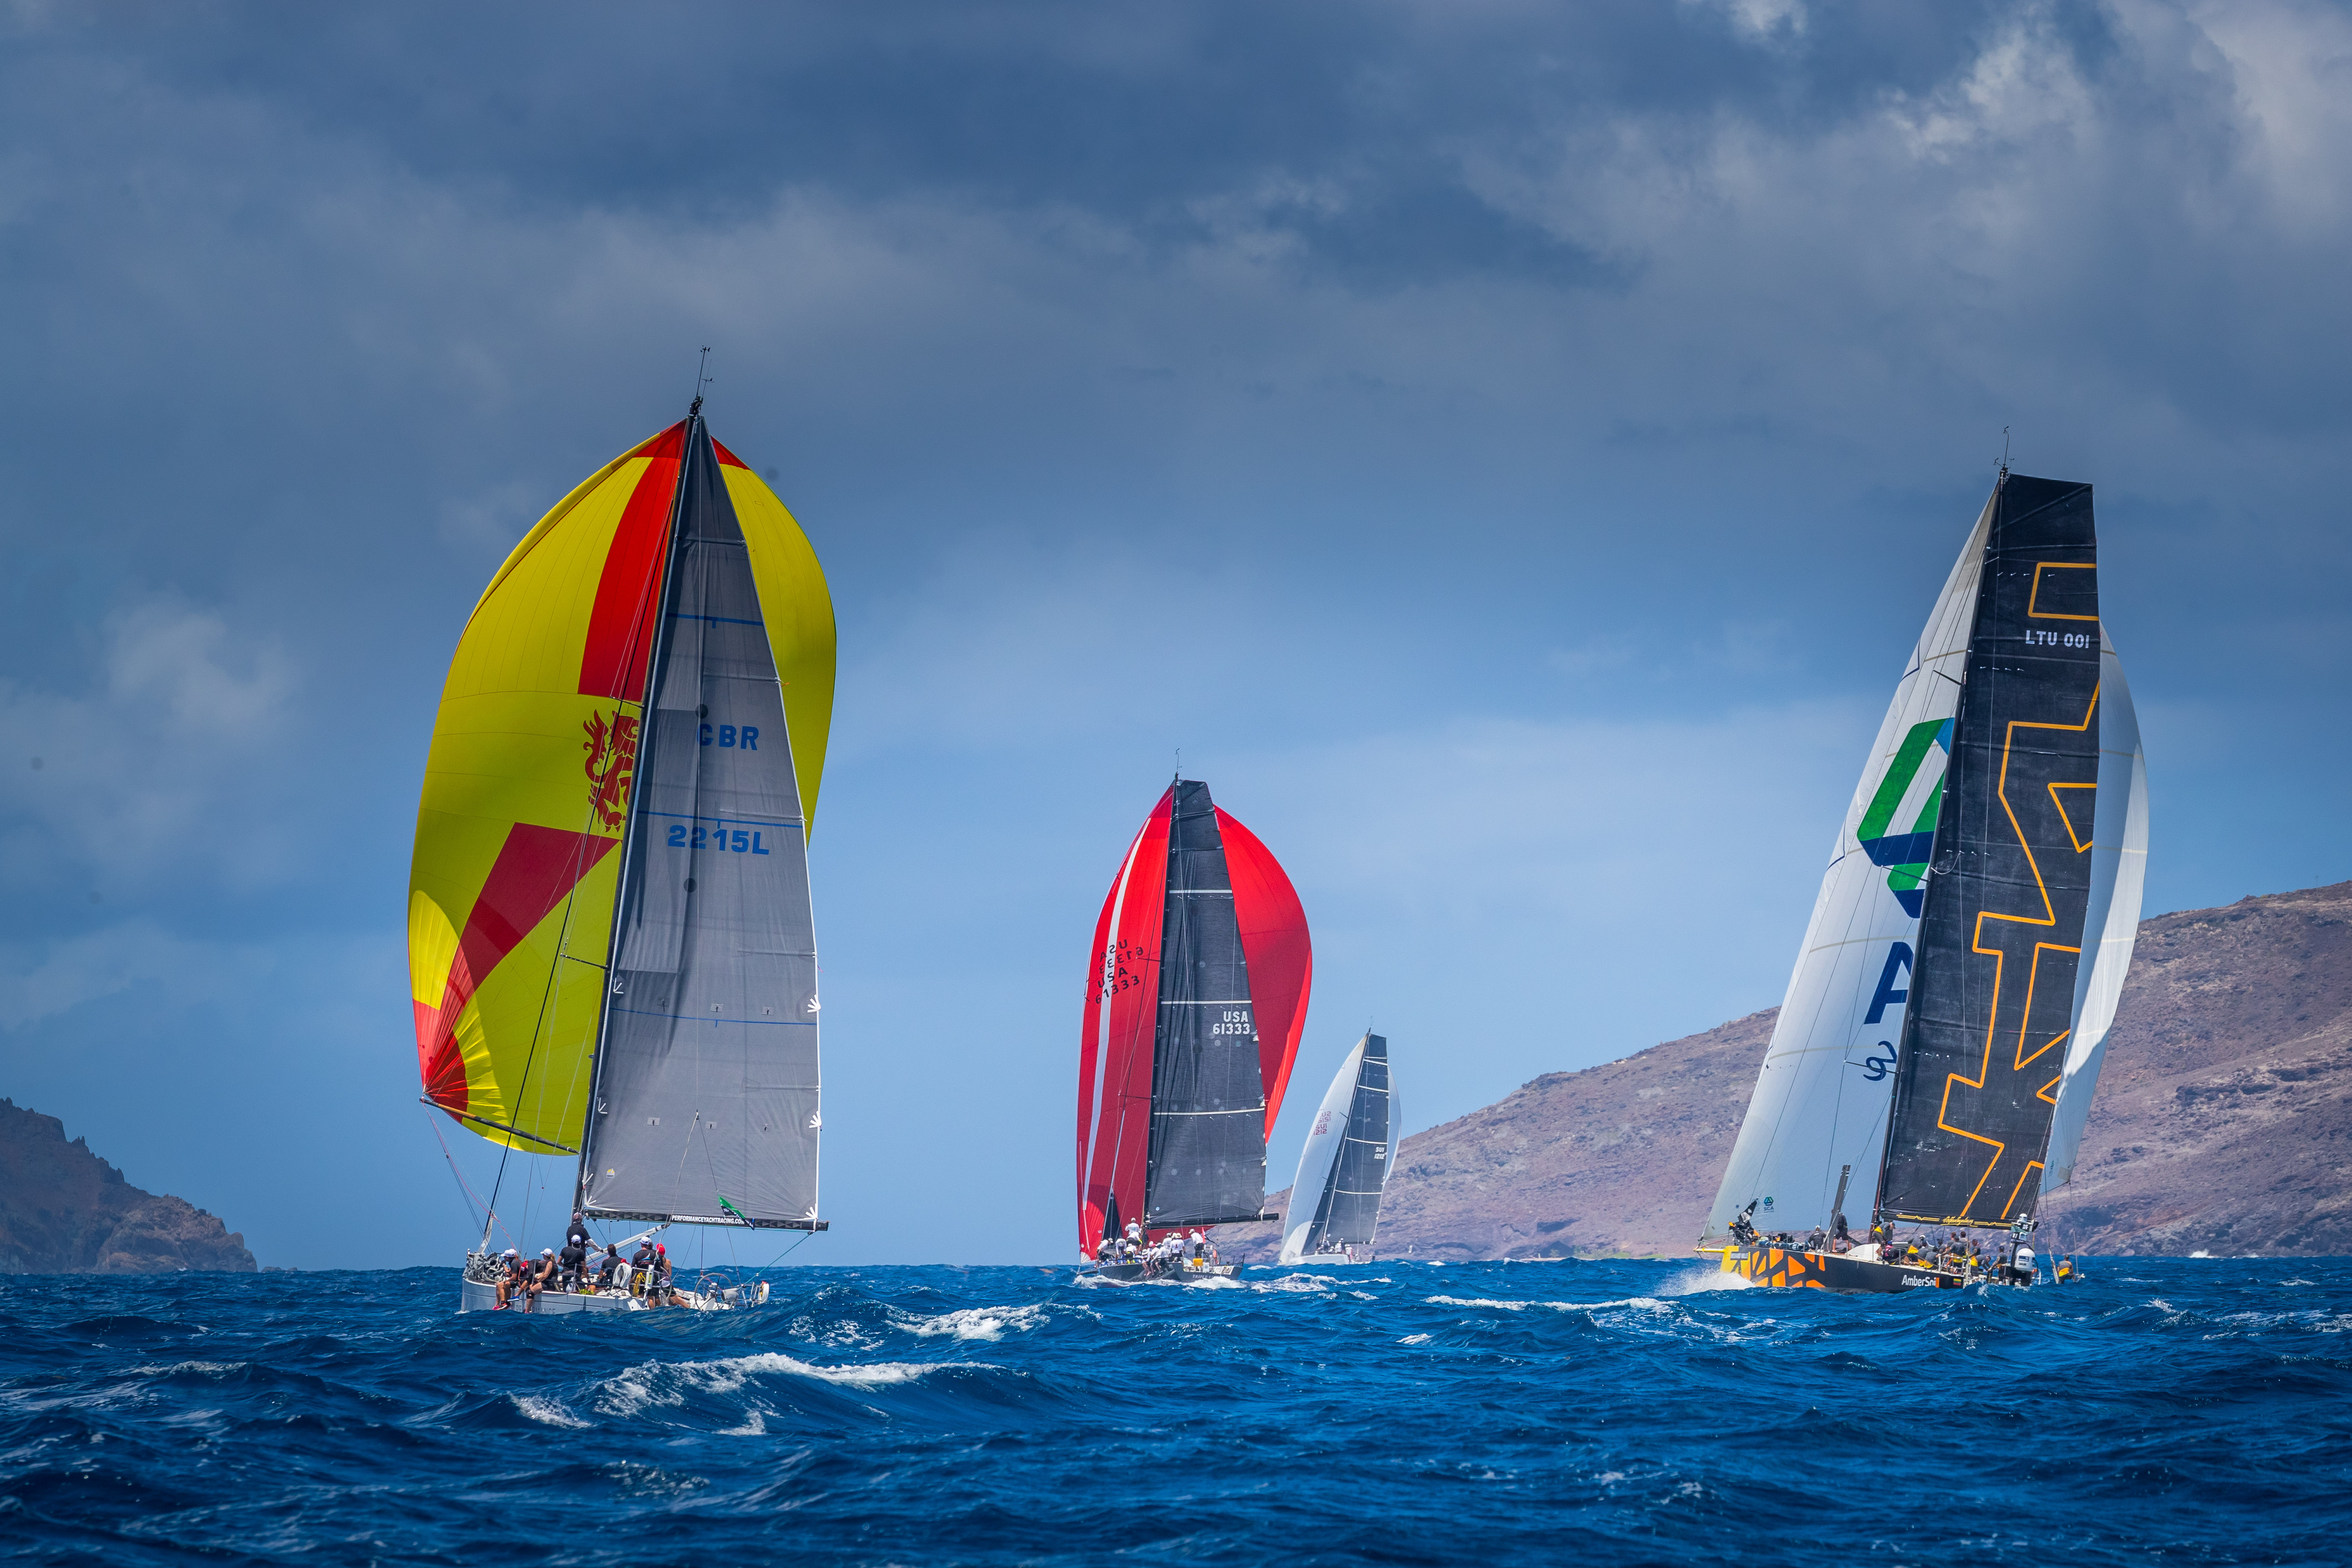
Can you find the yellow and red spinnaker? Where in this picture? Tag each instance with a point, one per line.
(527, 787)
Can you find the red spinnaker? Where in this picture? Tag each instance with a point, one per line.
(1115, 1050)
(1122, 1009)
(1281, 959)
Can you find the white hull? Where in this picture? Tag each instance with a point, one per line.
(473, 1295)
(1330, 1259)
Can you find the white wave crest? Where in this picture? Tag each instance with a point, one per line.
(1414, 1339)
(974, 1322)
(662, 1383)
(207, 1368)
(1697, 1281)
(1643, 1303)
(546, 1411)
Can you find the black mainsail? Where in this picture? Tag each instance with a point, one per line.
(1992, 997)
(1206, 1164)
(1344, 1164)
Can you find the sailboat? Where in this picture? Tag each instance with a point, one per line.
(1335, 1203)
(1943, 1030)
(612, 947)
(1196, 995)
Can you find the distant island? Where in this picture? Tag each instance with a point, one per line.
(2223, 1122)
(63, 1210)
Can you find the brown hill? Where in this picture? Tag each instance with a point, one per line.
(63, 1210)
(2223, 1121)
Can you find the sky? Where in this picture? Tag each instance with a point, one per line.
(1509, 450)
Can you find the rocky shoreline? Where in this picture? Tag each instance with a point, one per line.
(2223, 1121)
(63, 1210)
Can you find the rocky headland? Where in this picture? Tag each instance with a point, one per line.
(63, 1210)
(2222, 1123)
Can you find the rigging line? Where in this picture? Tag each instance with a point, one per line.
(786, 1252)
(628, 654)
(673, 555)
(564, 937)
(464, 1190)
(679, 1180)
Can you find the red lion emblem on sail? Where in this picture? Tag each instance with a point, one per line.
(612, 751)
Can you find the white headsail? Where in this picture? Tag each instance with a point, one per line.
(1818, 1111)
(1334, 1201)
(2118, 867)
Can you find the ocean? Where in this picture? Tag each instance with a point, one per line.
(2170, 1410)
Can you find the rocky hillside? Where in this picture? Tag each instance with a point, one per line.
(2223, 1121)
(63, 1210)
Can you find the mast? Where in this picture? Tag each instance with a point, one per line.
(708, 1088)
(629, 834)
(1823, 1087)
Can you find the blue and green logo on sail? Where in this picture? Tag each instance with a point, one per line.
(1912, 791)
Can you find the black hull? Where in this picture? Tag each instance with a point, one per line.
(1830, 1272)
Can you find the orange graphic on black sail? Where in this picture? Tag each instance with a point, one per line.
(2029, 1015)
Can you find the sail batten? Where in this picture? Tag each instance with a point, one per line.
(1197, 989)
(1206, 1159)
(531, 787)
(707, 1077)
(1343, 1166)
(1945, 1022)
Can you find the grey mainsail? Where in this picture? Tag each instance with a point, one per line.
(708, 1095)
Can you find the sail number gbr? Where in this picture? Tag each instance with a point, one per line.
(734, 840)
(1234, 1023)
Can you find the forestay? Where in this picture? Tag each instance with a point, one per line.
(528, 788)
(708, 1095)
(1818, 1108)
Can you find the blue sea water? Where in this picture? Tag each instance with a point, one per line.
(2175, 1410)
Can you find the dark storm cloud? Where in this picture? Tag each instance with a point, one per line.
(1562, 410)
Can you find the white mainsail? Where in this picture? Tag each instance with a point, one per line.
(1818, 1111)
(2118, 869)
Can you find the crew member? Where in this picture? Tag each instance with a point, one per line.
(608, 1266)
(574, 1261)
(641, 1267)
(510, 1277)
(542, 1278)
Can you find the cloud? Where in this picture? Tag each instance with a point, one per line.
(44, 981)
(169, 761)
(1509, 447)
